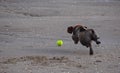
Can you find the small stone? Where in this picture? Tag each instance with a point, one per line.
(79, 66)
(98, 61)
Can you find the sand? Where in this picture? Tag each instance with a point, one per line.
(29, 30)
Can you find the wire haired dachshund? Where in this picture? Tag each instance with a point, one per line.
(84, 35)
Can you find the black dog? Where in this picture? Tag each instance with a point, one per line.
(84, 35)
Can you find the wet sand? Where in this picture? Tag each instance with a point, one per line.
(29, 31)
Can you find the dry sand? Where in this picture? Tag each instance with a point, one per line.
(29, 30)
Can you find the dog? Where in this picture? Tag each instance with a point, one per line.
(83, 35)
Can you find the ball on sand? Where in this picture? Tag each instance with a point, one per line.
(59, 42)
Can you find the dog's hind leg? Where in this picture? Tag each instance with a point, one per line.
(95, 37)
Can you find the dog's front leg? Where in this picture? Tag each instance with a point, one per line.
(91, 50)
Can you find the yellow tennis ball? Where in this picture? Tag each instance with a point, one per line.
(59, 42)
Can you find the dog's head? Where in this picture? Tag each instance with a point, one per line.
(75, 30)
(70, 29)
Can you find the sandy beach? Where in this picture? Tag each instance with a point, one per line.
(29, 30)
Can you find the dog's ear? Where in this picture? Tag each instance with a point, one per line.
(70, 29)
(83, 28)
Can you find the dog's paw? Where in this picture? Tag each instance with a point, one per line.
(98, 42)
(98, 37)
(91, 53)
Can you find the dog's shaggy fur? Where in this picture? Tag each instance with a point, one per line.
(84, 35)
